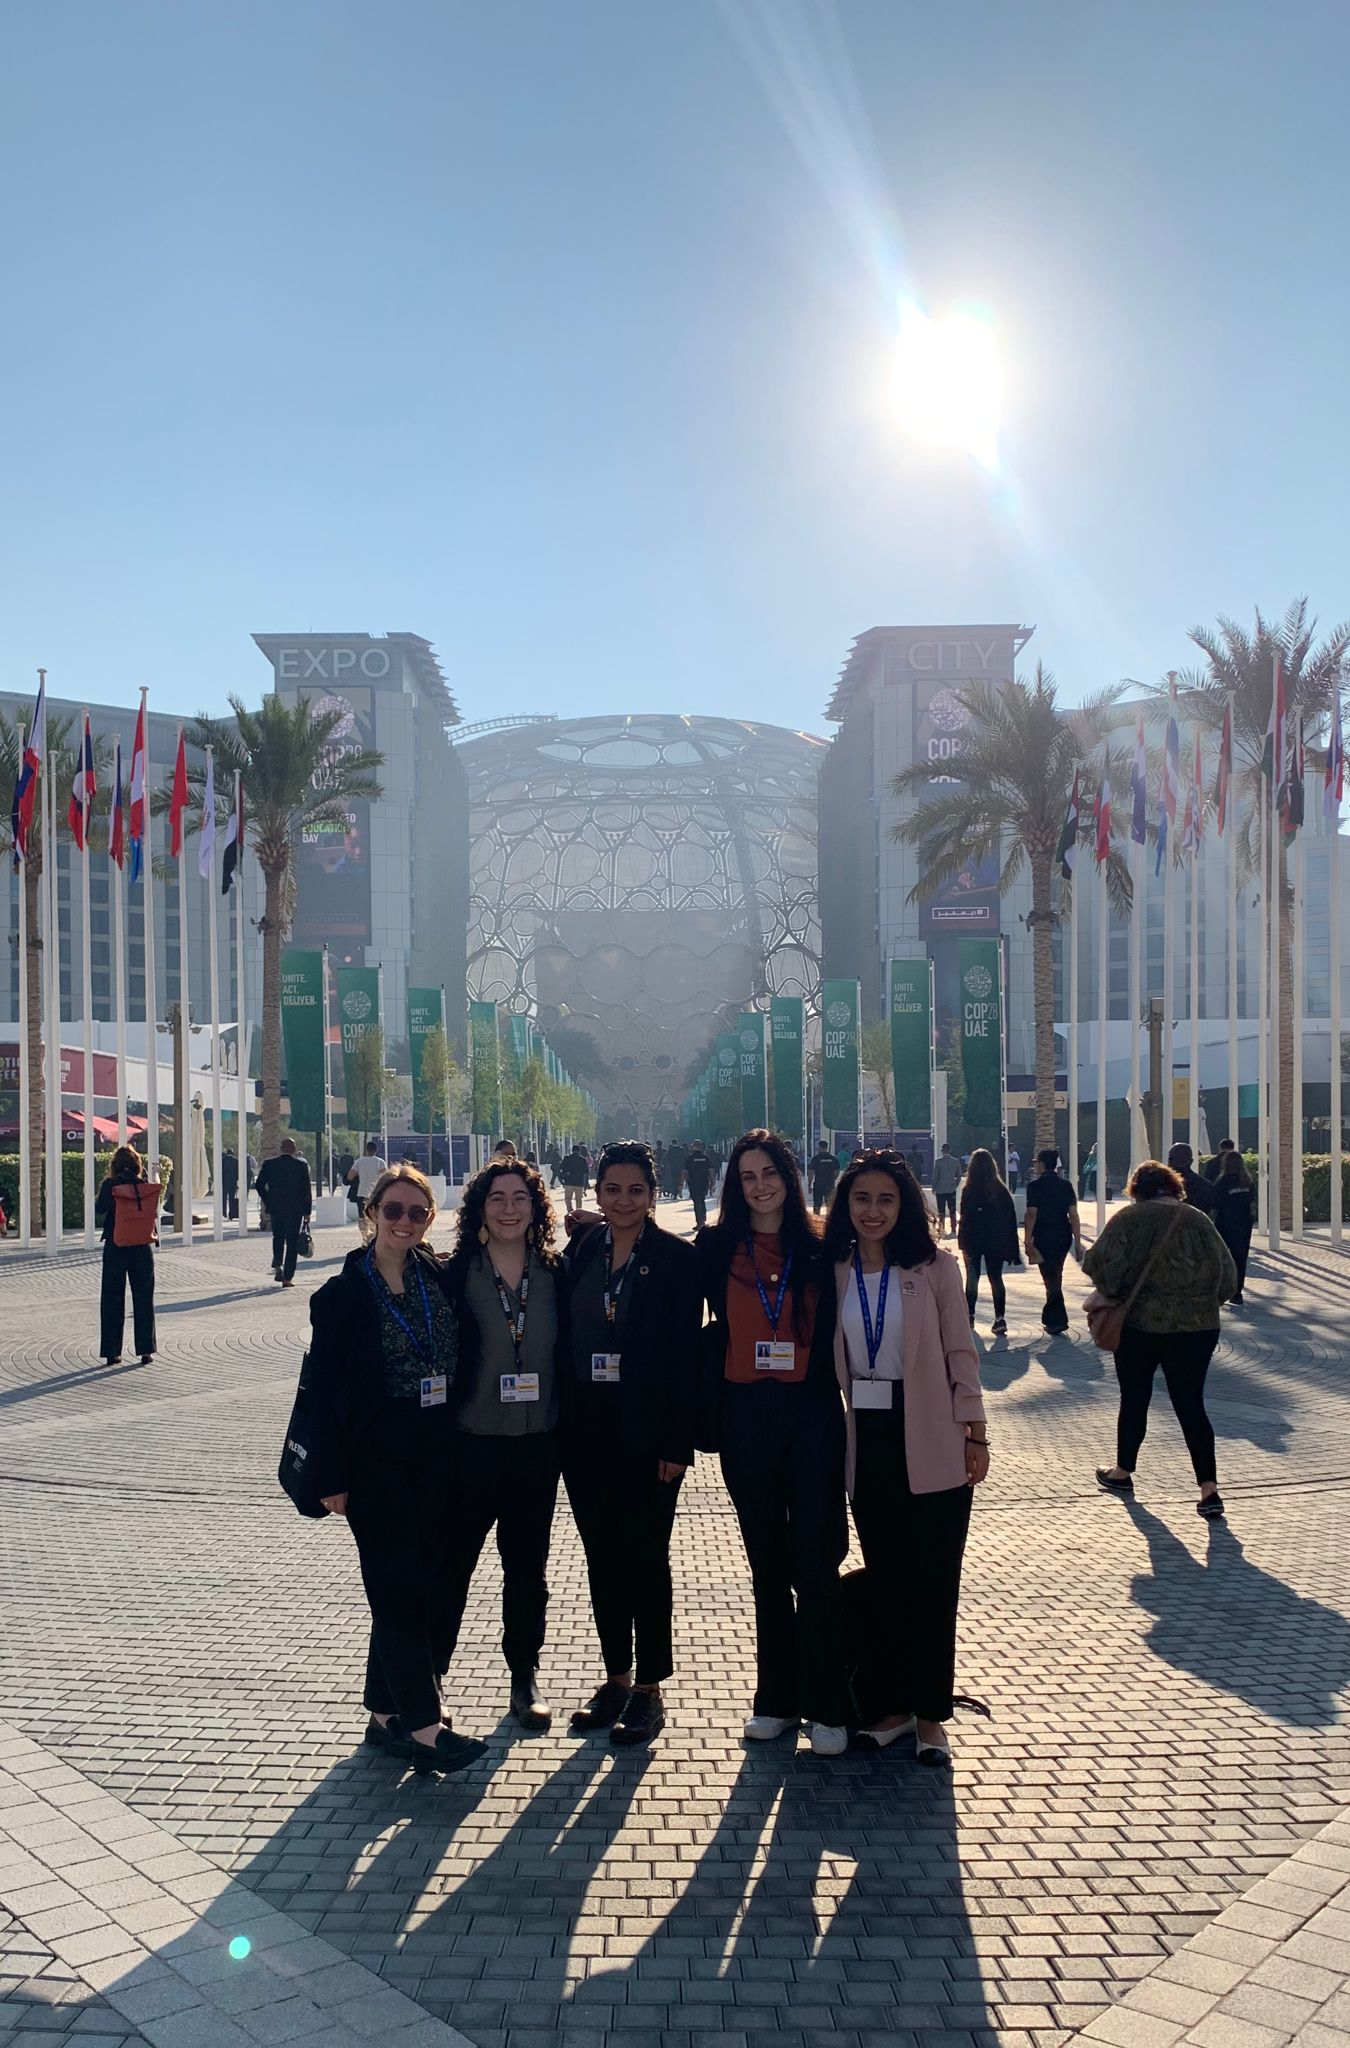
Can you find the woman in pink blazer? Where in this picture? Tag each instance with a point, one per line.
(917, 1444)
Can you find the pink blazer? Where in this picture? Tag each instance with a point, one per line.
(942, 1374)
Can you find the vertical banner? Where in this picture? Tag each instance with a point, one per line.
(518, 1043)
(912, 1044)
(841, 1088)
(302, 1037)
(754, 1088)
(424, 1017)
(485, 1069)
(787, 1029)
(981, 1031)
(726, 1081)
(358, 997)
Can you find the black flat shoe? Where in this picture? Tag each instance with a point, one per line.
(641, 1720)
(383, 1734)
(603, 1709)
(1124, 1487)
(1211, 1507)
(447, 1754)
(528, 1704)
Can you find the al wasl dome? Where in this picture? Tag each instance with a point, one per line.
(631, 877)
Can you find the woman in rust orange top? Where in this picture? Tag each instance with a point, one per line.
(771, 1406)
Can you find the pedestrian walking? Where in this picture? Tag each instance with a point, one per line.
(635, 1310)
(947, 1175)
(675, 1158)
(1051, 1230)
(987, 1234)
(769, 1401)
(575, 1175)
(1199, 1191)
(1234, 1202)
(127, 1209)
(916, 1436)
(229, 1183)
(285, 1193)
(1167, 1262)
(383, 1362)
(1014, 1168)
(506, 1282)
(823, 1175)
(1089, 1175)
(364, 1174)
(1213, 1166)
(698, 1173)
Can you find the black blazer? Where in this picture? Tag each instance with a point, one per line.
(344, 1361)
(715, 1249)
(283, 1187)
(658, 1380)
(454, 1276)
(989, 1226)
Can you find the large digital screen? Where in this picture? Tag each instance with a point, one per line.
(969, 902)
(332, 869)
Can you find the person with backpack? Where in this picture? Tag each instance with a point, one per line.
(127, 1206)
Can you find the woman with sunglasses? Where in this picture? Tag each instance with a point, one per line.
(917, 1442)
(770, 1402)
(384, 1360)
(506, 1282)
(628, 1432)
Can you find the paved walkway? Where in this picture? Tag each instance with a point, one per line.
(183, 1656)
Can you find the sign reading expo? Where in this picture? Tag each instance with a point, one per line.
(302, 1028)
(980, 967)
(841, 1073)
(358, 998)
(787, 1030)
(912, 1043)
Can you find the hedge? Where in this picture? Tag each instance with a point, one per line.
(72, 1184)
(1316, 1185)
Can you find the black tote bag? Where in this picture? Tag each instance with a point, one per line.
(294, 1473)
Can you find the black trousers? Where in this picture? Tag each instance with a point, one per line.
(285, 1243)
(1241, 1250)
(624, 1515)
(783, 1463)
(1055, 1314)
(123, 1263)
(397, 1510)
(700, 1202)
(1184, 1356)
(994, 1268)
(510, 1483)
(912, 1545)
(947, 1208)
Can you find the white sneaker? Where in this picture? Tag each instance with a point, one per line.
(826, 1741)
(767, 1727)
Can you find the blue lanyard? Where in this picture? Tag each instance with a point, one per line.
(873, 1342)
(776, 1311)
(377, 1281)
(615, 1281)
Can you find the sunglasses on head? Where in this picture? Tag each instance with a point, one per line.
(416, 1212)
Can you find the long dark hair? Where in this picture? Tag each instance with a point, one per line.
(983, 1179)
(626, 1152)
(911, 1242)
(800, 1233)
(476, 1194)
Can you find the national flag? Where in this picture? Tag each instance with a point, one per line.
(117, 830)
(178, 799)
(80, 809)
(136, 814)
(1068, 838)
(1223, 779)
(1170, 785)
(26, 788)
(1333, 778)
(206, 849)
(234, 839)
(1193, 823)
(1102, 813)
(1272, 753)
(1291, 792)
(1139, 787)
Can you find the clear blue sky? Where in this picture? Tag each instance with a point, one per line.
(560, 333)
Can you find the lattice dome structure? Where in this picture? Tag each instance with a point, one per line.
(631, 877)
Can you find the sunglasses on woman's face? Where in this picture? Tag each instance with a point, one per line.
(416, 1212)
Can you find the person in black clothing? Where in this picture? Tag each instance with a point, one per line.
(1233, 1202)
(284, 1190)
(1051, 1229)
(1213, 1167)
(628, 1432)
(698, 1174)
(824, 1174)
(770, 1402)
(987, 1234)
(123, 1263)
(1199, 1193)
(229, 1183)
(384, 1357)
(575, 1174)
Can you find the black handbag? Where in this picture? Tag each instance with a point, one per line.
(304, 1244)
(295, 1471)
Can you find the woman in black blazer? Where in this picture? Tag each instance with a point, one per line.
(634, 1310)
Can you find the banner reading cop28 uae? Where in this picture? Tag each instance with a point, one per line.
(726, 1082)
(424, 1017)
(485, 1069)
(358, 996)
(841, 1094)
(786, 1030)
(912, 1044)
(754, 1089)
(981, 1031)
(302, 1010)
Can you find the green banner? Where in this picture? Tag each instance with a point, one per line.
(302, 1020)
(787, 1029)
(912, 1044)
(358, 995)
(841, 1096)
(517, 1044)
(485, 1068)
(754, 1082)
(726, 1084)
(981, 1032)
(424, 1017)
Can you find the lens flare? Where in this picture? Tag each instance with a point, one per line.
(240, 1947)
(947, 382)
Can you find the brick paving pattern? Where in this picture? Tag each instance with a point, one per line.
(1167, 1699)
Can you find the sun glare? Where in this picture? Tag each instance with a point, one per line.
(947, 383)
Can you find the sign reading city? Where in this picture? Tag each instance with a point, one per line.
(980, 969)
(912, 1043)
(841, 1073)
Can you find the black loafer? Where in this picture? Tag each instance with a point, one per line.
(603, 1709)
(384, 1734)
(1211, 1507)
(1124, 1487)
(449, 1753)
(528, 1704)
(641, 1720)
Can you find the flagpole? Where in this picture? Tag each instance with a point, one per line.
(384, 1092)
(148, 943)
(1263, 1013)
(87, 987)
(1275, 1173)
(1168, 990)
(1103, 1013)
(1194, 1128)
(55, 1189)
(1230, 854)
(1333, 805)
(327, 1068)
(1138, 1146)
(1074, 1147)
(449, 1119)
(118, 948)
(217, 1134)
(183, 1078)
(21, 1035)
(1297, 1017)
(241, 1044)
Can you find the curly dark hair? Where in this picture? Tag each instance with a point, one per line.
(911, 1242)
(476, 1194)
(1151, 1179)
(626, 1152)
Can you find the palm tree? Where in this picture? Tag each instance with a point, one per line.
(1017, 770)
(1242, 664)
(294, 779)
